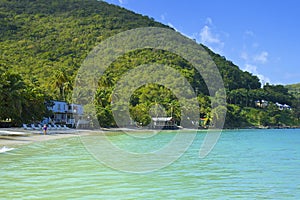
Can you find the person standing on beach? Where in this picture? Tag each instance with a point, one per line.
(45, 129)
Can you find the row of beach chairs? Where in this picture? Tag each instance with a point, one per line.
(49, 127)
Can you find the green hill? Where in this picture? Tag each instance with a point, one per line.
(39, 37)
(294, 89)
(43, 44)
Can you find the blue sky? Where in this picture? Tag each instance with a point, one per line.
(260, 36)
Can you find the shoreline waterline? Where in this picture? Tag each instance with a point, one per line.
(15, 137)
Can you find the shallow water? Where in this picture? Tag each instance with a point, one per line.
(245, 164)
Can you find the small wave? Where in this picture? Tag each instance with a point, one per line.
(5, 149)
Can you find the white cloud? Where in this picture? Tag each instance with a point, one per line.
(262, 57)
(163, 17)
(122, 2)
(172, 26)
(208, 21)
(208, 38)
(253, 69)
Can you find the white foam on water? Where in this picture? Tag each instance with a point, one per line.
(5, 149)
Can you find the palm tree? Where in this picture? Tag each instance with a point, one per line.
(59, 80)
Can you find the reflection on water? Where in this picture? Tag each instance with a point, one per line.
(248, 164)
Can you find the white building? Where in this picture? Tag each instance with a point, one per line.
(261, 103)
(163, 123)
(283, 106)
(64, 113)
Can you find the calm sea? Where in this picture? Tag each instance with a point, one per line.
(244, 164)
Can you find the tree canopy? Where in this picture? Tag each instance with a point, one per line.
(43, 44)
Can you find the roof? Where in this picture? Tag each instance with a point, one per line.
(163, 119)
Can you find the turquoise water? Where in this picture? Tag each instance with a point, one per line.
(245, 164)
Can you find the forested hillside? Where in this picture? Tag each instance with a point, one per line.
(294, 89)
(43, 44)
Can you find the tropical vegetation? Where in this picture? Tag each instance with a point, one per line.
(43, 44)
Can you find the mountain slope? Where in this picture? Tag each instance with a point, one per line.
(39, 37)
(294, 89)
(45, 42)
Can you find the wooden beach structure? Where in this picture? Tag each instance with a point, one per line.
(166, 123)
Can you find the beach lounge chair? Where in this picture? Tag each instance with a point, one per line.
(26, 127)
(40, 126)
(34, 127)
(59, 126)
(65, 127)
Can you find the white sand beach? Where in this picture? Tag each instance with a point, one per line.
(12, 137)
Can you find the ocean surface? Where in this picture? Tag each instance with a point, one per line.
(244, 164)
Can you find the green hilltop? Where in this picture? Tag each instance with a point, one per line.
(294, 89)
(43, 44)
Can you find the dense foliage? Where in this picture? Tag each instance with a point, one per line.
(294, 89)
(43, 44)
(20, 102)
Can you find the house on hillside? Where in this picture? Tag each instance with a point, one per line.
(283, 106)
(264, 104)
(65, 113)
(261, 103)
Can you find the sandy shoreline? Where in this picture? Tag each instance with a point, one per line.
(14, 137)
